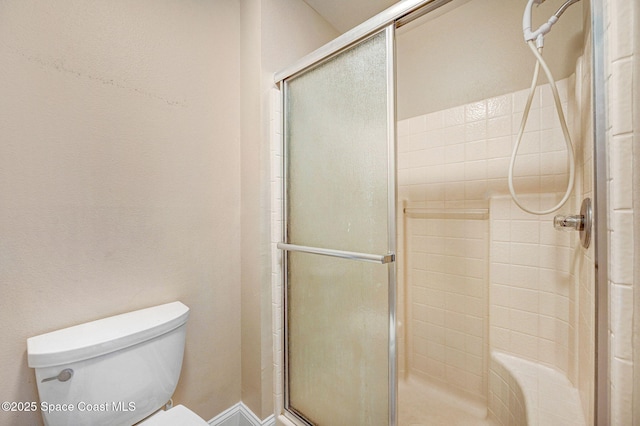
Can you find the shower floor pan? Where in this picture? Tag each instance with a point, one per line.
(423, 404)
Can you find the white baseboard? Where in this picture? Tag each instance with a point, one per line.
(240, 415)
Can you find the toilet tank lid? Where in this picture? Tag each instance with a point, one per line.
(103, 336)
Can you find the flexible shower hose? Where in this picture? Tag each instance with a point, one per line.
(567, 138)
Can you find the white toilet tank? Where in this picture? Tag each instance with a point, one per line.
(124, 367)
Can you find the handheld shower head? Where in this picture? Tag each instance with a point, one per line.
(541, 31)
(538, 35)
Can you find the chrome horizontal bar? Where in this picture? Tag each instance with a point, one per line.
(365, 257)
(422, 213)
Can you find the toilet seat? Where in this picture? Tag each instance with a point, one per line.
(178, 415)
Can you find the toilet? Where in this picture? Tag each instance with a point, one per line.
(120, 370)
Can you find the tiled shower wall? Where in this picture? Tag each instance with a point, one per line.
(447, 301)
(532, 292)
(621, 34)
(454, 161)
(458, 158)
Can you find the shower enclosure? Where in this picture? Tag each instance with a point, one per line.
(412, 289)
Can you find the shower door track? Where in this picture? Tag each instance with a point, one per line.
(399, 14)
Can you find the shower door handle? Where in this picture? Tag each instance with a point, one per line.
(364, 257)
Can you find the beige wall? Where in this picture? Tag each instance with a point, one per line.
(119, 179)
(275, 34)
(440, 67)
(123, 175)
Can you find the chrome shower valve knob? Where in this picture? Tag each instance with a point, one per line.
(579, 222)
(569, 223)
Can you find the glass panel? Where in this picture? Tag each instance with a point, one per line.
(338, 340)
(337, 150)
(337, 158)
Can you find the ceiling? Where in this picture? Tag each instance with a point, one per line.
(346, 14)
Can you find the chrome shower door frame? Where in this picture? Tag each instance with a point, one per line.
(602, 391)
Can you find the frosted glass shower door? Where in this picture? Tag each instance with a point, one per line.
(340, 237)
